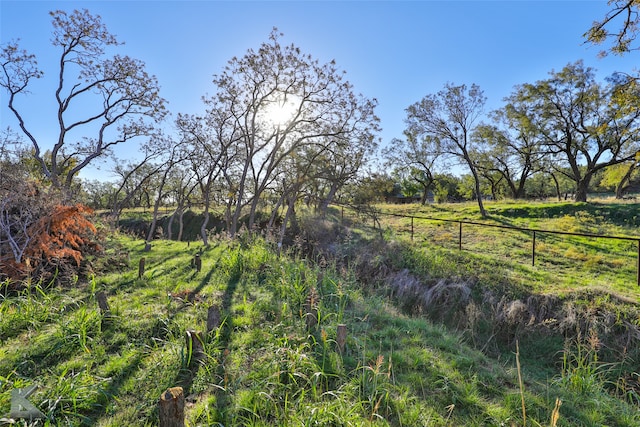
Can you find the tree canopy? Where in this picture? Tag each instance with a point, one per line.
(449, 119)
(101, 101)
(622, 39)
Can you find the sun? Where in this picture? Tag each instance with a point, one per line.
(280, 111)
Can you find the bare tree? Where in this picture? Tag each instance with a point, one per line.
(283, 101)
(174, 155)
(207, 142)
(114, 99)
(448, 118)
(134, 177)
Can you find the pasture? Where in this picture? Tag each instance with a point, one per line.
(436, 336)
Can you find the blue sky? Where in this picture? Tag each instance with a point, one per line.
(394, 51)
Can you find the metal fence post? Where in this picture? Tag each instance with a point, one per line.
(533, 250)
(412, 229)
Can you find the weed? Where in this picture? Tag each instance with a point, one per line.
(582, 372)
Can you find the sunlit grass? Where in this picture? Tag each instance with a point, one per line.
(262, 365)
(573, 261)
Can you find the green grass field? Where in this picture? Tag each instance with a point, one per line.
(402, 365)
(563, 263)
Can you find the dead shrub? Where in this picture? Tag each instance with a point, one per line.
(447, 294)
(41, 238)
(516, 313)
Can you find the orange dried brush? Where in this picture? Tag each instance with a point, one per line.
(62, 234)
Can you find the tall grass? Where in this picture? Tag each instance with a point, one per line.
(262, 365)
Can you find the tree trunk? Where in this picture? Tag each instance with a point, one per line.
(483, 212)
(170, 224)
(274, 210)
(425, 184)
(582, 188)
(512, 186)
(289, 215)
(203, 227)
(240, 195)
(180, 225)
(622, 185)
(154, 222)
(156, 205)
(620, 189)
(324, 206)
(227, 214)
(519, 194)
(557, 184)
(252, 211)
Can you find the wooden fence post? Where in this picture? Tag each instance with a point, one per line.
(141, 267)
(171, 408)
(341, 337)
(311, 318)
(103, 305)
(197, 262)
(213, 318)
(460, 236)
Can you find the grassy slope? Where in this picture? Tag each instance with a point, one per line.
(562, 263)
(262, 366)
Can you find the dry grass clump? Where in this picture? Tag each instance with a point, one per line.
(435, 296)
(321, 238)
(514, 313)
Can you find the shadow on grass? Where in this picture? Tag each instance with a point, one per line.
(620, 214)
(113, 390)
(223, 337)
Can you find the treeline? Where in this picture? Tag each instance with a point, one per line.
(569, 130)
(399, 187)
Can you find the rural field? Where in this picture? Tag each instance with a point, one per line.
(197, 228)
(347, 325)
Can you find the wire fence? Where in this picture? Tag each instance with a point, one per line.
(458, 234)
